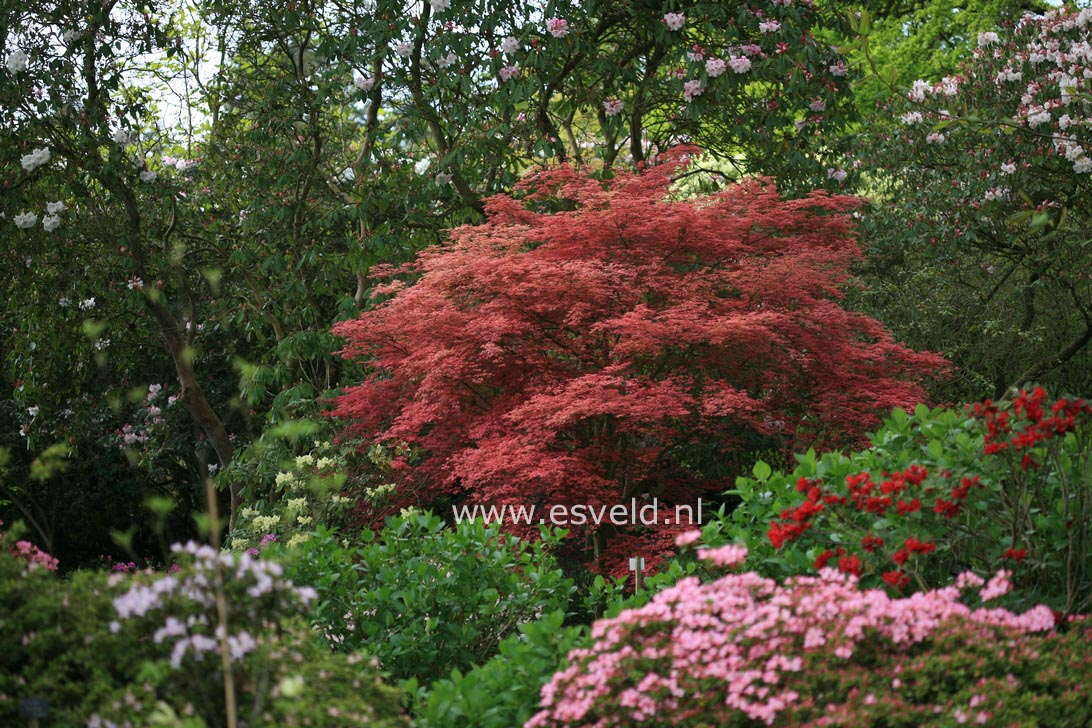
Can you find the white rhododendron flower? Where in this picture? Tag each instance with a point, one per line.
(25, 220)
(613, 106)
(1038, 115)
(510, 45)
(918, 89)
(422, 166)
(54, 207)
(17, 61)
(740, 64)
(147, 176)
(35, 159)
(508, 73)
(364, 83)
(51, 223)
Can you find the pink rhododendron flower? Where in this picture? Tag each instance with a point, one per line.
(740, 64)
(743, 646)
(691, 89)
(557, 27)
(675, 21)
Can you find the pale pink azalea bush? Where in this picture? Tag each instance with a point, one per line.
(27, 552)
(744, 650)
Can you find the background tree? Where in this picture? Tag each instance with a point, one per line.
(978, 238)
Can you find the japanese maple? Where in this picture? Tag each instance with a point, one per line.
(594, 342)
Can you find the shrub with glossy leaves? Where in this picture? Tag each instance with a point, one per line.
(504, 691)
(425, 598)
(598, 341)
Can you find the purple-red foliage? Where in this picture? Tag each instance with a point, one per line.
(581, 345)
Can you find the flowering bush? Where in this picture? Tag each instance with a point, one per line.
(424, 598)
(982, 183)
(744, 650)
(144, 649)
(27, 552)
(303, 494)
(939, 491)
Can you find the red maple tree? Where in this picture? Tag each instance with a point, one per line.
(596, 342)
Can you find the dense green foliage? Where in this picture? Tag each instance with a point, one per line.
(425, 598)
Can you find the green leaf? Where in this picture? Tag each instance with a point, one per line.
(761, 471)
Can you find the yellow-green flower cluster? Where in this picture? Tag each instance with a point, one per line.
(379, 491)
(309, 485)
(265, 524)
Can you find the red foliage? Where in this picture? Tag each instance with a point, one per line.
(596, 342)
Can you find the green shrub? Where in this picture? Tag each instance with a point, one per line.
(503, 692)
(425, 598)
